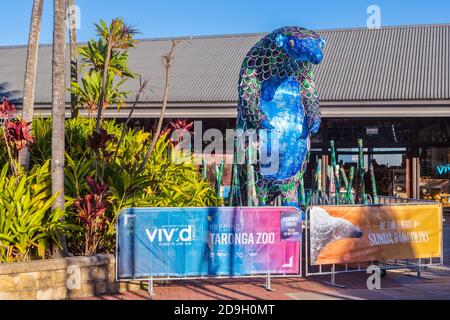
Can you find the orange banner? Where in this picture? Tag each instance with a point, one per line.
(345, 234)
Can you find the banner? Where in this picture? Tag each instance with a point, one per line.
(345, 234)
(208, 241)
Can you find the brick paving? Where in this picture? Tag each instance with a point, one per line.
(396, 285)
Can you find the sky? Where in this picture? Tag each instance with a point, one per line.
(168, 18)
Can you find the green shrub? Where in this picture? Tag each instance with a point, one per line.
(27, 222)
(162, 183)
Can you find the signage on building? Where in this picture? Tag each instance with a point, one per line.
(443, 170)
(208, 241)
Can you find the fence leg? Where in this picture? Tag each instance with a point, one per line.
(151, 291)
(268, 284)
(418, 274)
(333, 279)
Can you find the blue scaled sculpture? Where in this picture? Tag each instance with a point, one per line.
(278, 112)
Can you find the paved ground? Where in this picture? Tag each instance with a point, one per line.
(398, 284)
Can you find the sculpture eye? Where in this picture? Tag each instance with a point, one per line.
(291, 43)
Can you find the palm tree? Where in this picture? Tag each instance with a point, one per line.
(73, 55)
(58, 102)
(117, 36)
(30, 72)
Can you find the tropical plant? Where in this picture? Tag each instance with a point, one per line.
(16, 135)
(90, 213)
(88, 93)
(93, 58)
(28, 225)
(117, 38)
(162, 183)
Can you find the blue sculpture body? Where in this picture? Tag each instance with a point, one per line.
(278, 102)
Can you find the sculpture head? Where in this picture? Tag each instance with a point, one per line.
(300, 44)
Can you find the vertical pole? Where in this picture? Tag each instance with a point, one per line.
(333, 278)
(335, 172)
(268, 283)
(362, 186)
(333, 275)
(374, 185)
(414, 178)
(235, 188)
(349, 198)
(319, 175)
(418, 268)
(324, 155)
(408, 174)
(302, 191)
(418, 174)
(344, 176)
(151, 291)
(330, 177)
(204, 169)
(415, 161)
(219, 176)
(252, 199)
(324, 173)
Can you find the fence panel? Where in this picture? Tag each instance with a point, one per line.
(408, 236)
(200, 243)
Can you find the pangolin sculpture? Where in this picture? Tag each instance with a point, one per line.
(278, 104)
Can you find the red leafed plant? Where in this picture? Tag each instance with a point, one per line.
(179, 126)
(99, 141)
(7, 109)
(18, 134)
(91, 214)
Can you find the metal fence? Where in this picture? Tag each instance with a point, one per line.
(268, 277)
(307, 269)
(417, 265)
(396, 200)
(151, 279)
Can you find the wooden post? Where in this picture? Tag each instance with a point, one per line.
(418, 175)
(408, 174)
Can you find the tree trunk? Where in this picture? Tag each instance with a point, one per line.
(73, 55)
(58, 103)
(30, 73)
(103, 91)
(167, 62)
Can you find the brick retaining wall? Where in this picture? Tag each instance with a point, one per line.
(58, 278)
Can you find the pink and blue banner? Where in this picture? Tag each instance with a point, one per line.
(208, 241)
